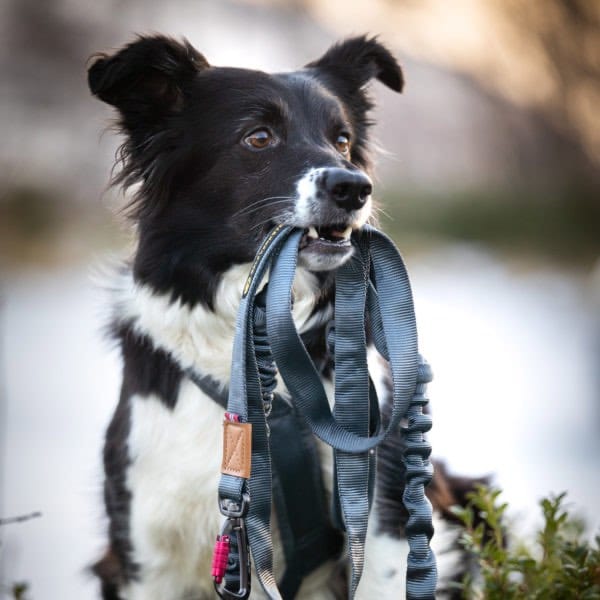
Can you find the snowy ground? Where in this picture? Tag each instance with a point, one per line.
(515, 394)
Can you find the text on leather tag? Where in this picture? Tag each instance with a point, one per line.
(237, 449)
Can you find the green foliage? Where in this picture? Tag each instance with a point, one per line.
(562, 564)
(16, 591)
(19, 591)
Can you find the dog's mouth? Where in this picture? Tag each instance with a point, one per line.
(325, 247)
(327, 238)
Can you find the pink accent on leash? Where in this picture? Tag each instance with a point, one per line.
(232, 417)
(220, 556)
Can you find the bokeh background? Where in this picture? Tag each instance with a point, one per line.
(489, 179)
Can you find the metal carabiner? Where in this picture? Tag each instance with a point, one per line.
(234, 534)
(235, 527)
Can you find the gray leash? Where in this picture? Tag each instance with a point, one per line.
(373, 284)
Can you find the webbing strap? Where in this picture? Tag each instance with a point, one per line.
(373, 282)
(351, 408)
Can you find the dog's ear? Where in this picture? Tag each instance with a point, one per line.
(147, 78)
(355, 61)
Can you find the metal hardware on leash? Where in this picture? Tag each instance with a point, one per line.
(268, 404)
(233, 535)
(235, 510)
(267, 370)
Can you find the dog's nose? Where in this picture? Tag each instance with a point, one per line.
(348, 189)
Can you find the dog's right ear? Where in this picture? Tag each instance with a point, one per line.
(355, 61)
(146, 79)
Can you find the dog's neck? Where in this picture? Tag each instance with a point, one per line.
(197, 336)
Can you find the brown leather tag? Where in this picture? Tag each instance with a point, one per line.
(237, 449)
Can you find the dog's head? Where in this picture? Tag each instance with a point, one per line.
(223, 154)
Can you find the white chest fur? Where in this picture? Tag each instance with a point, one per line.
(199, 337)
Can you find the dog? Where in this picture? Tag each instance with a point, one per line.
(219, 157)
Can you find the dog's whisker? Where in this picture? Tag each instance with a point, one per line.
(379, 210)
(261, 200)
(259, 203)
(253, 209)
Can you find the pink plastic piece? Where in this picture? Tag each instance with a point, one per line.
(220, 556)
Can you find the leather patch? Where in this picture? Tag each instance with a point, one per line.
(237, 449)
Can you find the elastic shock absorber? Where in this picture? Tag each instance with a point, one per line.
(422, 573)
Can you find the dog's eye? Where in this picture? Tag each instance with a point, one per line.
(343, 144)
(259, 139)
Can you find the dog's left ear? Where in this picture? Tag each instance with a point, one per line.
(355, 61)
(146, 79)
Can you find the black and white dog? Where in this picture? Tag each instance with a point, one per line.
(221, 155)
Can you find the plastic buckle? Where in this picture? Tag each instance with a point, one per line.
(235, 527)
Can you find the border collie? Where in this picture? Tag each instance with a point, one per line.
(221, 155)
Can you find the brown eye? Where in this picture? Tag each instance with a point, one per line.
(259, 139)
(343, 144)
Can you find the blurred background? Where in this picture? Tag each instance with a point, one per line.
(489, 178)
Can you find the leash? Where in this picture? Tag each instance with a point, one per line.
(372, 286)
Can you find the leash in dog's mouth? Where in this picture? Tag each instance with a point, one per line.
(372, 286)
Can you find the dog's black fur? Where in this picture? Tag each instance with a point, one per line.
(207, 198)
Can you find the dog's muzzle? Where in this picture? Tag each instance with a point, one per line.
(332, 203)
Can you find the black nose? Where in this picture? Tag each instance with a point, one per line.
(348, 189)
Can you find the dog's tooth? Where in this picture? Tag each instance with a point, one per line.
(347, 232)
(312, 233)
